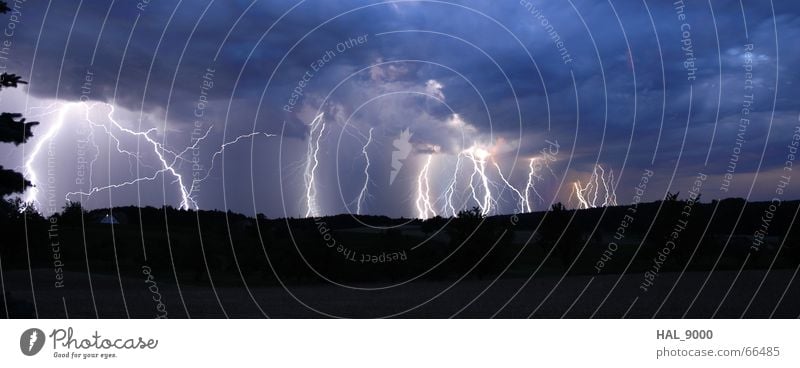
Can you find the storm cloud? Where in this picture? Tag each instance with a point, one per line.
(631, 86)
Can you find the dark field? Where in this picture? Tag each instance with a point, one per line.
(560, 263)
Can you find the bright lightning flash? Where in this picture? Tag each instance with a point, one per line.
(312, 162)
(523, 200)
(589, 194)
(424, 206)
(364, 192)
(167, 159)
(478, 157)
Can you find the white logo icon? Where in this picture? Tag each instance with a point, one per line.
(31, 341)
(402, 147)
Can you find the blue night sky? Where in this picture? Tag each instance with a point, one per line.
(214, 102)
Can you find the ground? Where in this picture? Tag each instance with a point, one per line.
(470, 298)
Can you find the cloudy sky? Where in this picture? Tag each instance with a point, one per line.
(400, 108)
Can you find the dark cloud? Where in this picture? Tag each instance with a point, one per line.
(496, 64)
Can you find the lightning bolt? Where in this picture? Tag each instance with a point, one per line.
(471, 185)
(595, 185)
(160, 151)
(448, 194)
(610, 185)
(424, 207)
(364, 193)
(478, 157)
(605, 184)
(34, 337)
(167, 159)
(523, 201)
(580, 193)
(588, 195)
(312, 162)
(167, 165)
(195, 182)
(31, 197)
(533, 176)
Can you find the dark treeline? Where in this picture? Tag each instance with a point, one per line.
(341, 248)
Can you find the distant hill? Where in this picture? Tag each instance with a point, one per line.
(344, 248)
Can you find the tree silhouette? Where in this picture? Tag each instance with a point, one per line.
(557, 233)
(671, 197)
(12, 182)
(11, 80)
(72, 212)
(13, 129)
